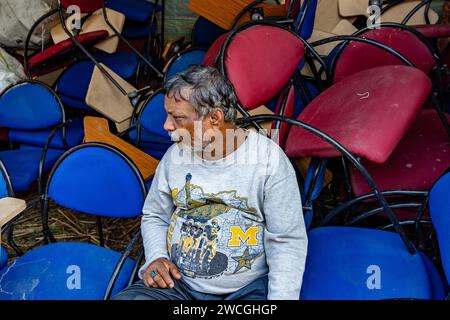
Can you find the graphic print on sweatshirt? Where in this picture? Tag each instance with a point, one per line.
(210, 235)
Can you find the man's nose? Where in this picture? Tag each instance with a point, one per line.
(169, 125)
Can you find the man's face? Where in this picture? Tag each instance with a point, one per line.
(181, 121)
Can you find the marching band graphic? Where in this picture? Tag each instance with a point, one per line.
(208, 236)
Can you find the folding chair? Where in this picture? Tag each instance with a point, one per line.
(423, 153)
(94, 179)
(359, 104)
(36, 120)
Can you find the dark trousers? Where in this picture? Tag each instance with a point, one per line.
(257, 290)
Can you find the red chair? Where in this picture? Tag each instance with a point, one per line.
(423, 153)
(261, 60)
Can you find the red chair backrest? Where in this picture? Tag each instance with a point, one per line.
(359, 56)
(214, 50)
(86, 6)
(259, 61)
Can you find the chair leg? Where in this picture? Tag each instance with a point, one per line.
(10, 239)
(100, 231)
(48, 235)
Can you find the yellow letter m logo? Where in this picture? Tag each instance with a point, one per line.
(238, 236)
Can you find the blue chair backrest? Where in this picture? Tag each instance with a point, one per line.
(205, 32)
(153, 115)
(30, 105)
(184, 60)
(5, 182)
(97, 179)
(440, 216)
(308, 9)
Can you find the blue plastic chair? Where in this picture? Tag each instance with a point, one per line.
(347, 263)
(32, 110)
(204, 33)
(94, 179)
(149, 134)
(72, 85)
(183, 60)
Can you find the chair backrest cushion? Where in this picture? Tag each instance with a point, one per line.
(153, 115)
(29, 106)
(97, 179)
(184, 60)
(86, 6)
(259, 61)
(358, 56)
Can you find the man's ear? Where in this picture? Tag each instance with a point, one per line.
(217, 117)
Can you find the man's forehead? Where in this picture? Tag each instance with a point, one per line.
(172, 104)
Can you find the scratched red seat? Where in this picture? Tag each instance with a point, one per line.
(418, 161)
(359, 113)
(427, 140)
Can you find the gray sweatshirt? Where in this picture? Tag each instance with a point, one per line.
(226, 223)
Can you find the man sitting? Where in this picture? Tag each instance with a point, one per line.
(223, 218)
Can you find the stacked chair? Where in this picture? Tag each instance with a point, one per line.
(94, 179)
(37, 123)
(330, 273)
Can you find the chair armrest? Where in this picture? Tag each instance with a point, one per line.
(10, 208)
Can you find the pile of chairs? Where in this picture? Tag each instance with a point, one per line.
(367, 128)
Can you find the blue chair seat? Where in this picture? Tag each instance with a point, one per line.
(135, 10)
(344, 263)
(23, 165)
(49, 273)
(74, 136)
(3, 257)
(74, 82)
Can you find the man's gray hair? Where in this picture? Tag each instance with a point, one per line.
(206, 89)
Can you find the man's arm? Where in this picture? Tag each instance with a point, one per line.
(285, 236)
(157, 211)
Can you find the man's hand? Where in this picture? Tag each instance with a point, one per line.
(165, 270)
